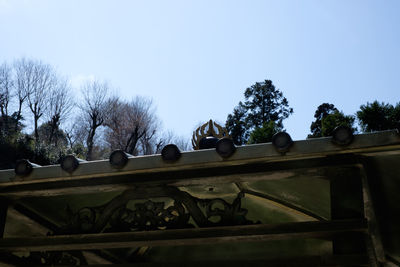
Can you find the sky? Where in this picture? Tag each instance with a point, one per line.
(195, 59)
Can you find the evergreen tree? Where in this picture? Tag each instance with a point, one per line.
(322, 112)
(265, 133)
(263, 104)
(236, 125)
(331, 121)
(377, 116)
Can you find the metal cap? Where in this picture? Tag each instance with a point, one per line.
(282, 141)
(69, 163)
(208, 142)
(118, 158)
(170, 153)
(342, 135)
(23, 167)
(225, 147)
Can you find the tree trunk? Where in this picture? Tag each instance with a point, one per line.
(133, 140)
(36, 130)
(18, 118)
(89, 143)
(53, 129)
(132, 143)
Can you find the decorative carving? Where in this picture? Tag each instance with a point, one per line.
(120, 214)
(83, 221)
(149, 216)
(52, 258)
(231, 214)
(213, 129)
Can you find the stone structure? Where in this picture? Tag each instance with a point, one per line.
(324, 201)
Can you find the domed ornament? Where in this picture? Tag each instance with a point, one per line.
(207, 135)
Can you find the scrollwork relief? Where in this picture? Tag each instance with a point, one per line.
(149, 215)
(186, 211)
(52, 258)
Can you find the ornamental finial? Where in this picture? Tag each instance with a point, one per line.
(208, 129)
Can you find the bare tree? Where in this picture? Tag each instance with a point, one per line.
(150, 143)
(76, 132)
(132, 125)
(168, 137)
(95, 108)
(24, 82)
(35, 80)
(6, 88)
(59, 106)
(182, 143)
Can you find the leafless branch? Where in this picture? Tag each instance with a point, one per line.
(35, 80)
(6, 88)
(95, 109)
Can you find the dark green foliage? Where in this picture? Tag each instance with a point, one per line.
(21, 148)
(236, 125)
(16, 145)
(377, 116)
(331, 121)
(322, 112)
(79, 150)
(10, 127)
(265, 133)
(263, 104)
(51, 135)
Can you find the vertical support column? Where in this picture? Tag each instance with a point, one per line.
(368, 175)
(347, 203)
(3, 215)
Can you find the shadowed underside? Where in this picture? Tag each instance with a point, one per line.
(318, 203)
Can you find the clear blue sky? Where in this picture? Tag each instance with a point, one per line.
(195, 58)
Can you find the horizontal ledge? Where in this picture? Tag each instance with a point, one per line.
(284, 260)
(212, 235)
(216, 175)
(209, 158)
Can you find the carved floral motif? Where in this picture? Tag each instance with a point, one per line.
(119, 216)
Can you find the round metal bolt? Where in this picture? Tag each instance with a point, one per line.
(282, 141)
(342, 135)
(170, 153)
(225, 147)
(118, 159)
(69, 163)
(23, 167)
